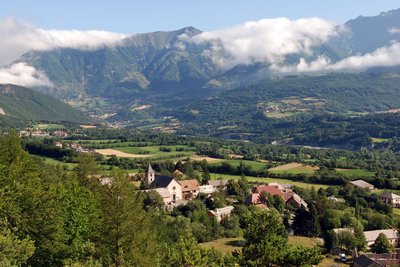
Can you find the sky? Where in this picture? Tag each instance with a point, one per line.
(132, 16)
(235, 31)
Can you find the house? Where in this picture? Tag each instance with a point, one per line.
(376, 260)
(218, 184)
(391, 234)
(336, 199)
(370, 236)
(296, 201)
(208, 190)
(60, 133)
(391, 199)
(178, 174)
(58, 144)
(190, 188)
(362, 184)
(153, 180)
(365, 261)
(221, 213)
(275, 189)
(39, 134)
(164, 193)
(272, 190)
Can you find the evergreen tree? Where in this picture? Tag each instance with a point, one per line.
(128, 238)
(382, 245)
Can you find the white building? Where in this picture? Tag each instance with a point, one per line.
(154, 180)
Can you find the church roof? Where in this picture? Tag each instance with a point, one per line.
(161, 181)
(149, 168)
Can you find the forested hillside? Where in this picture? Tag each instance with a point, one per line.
(19, 103)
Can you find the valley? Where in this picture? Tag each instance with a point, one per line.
(272, 142)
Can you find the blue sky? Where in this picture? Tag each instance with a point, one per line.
(150, 15)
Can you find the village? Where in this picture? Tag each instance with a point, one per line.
(177, 190)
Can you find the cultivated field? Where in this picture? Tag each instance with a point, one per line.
(110, 152)
(294, 168)
(216, 176)
(208, 159)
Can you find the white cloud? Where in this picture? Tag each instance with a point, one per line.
(22, 74)
(18, 38)
(394, 30)
(266, 40)
(387, 56)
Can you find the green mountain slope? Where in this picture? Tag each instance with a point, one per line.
(287, 104)
(17, 102)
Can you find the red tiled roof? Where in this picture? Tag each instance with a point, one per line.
(189, 185)
(272, 190)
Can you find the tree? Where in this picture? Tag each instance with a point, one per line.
(359, 238)
(278, 203)
(266, 238)
(128, 238)
(205, 176)
(382, 245)
(266, 243)
(306, 222)
(346, 240)
(14, 251)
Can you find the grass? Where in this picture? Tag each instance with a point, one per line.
(154, 151)
(49, 126)
(304, 241)
(52, 161)
(396, 211)
(229, 245)
(296, 170)
(224, 245)
(378, 140)
(269, 180)
(254, 165)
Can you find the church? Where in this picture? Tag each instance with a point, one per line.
(155, 181)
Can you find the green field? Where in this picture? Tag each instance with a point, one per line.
(228, 245)
(155, 151)
(294, 171)
(48, 126)
(254, 165)
(51, 161)
(378, 140)
(216, 176)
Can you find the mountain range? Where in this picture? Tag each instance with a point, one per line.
(163, 65)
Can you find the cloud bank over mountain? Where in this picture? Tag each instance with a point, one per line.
(286, 46)
(266, 40)
(18, 38)
(24, 75)
(387, 56)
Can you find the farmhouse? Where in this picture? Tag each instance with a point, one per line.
(221, 213)
(275, 189)
(208, 190)
(391, 199)
(391, 234)
(362, 184)
(218, 184)
(190, 188)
